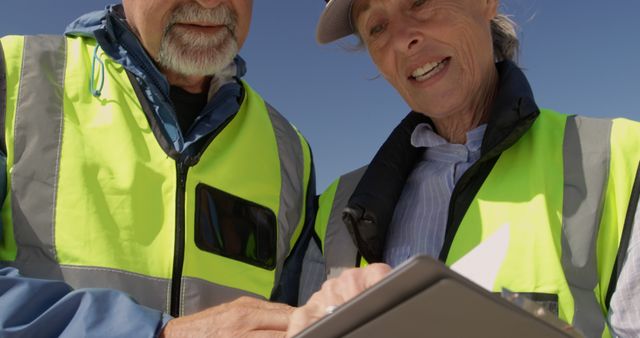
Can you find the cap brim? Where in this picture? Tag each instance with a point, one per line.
(335, 21)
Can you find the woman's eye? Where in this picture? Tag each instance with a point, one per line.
(418, 3)
(376, 29)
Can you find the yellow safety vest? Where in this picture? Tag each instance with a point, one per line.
(94, 200)
(565, 195)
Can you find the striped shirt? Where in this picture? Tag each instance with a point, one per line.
(419, 221)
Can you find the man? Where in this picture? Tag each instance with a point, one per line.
(138, 162)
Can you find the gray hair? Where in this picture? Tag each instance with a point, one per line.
(505, 39)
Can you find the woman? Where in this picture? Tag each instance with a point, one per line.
(477, 153)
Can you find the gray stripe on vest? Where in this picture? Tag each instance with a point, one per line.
(339, 250)
(586, 170)
(37, 139)
(292, 188)
(199, 294)
(148, 291)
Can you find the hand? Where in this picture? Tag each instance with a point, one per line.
(244, 317)
(335, 292)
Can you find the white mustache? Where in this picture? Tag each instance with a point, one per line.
(192, 13)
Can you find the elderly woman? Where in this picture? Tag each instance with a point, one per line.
(477, 153)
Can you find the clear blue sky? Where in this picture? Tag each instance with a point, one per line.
(581, 57)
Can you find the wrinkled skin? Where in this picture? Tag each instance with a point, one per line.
(403, 35)
(244, 317)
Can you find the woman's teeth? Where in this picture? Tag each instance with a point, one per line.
(429, 70)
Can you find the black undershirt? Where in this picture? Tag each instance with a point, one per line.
(187, 106)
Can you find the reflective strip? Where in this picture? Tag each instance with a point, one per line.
(35, 169)
(586, 170)
(340, 251)
(199, 294)
(292, 190)
(148, 291)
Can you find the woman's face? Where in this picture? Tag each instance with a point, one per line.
(436, 53)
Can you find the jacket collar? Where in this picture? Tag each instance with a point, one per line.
(370, 208)
(115, 37)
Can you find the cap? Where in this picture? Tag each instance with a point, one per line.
(335, 21)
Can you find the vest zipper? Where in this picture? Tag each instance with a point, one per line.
(178, 254)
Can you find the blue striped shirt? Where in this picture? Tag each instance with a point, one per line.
(419, 222)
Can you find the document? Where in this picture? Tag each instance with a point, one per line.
(482, 264)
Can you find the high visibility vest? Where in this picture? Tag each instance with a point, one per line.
(566, 196)
(94, 199)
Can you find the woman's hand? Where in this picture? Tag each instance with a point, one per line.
(335, 292)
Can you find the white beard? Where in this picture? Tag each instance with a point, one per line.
(195, 53)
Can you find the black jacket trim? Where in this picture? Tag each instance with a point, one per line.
(165, 144)
(315, 236)
(3, 101)
(370, 208)
(626, 237)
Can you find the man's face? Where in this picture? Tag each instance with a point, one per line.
(190, 37)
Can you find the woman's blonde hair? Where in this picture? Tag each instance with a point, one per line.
(505, 38)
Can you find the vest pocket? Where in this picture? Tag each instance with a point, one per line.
(232, 227)
(548, 301)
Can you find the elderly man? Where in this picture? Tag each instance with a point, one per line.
(148, 187)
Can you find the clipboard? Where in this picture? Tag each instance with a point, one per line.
(424, 298)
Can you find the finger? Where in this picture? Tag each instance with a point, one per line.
(266, 319)
(375, 273)
(266, 334)
(352, 282)
(302, 318)
(263, 304)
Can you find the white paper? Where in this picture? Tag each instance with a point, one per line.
(482, 264)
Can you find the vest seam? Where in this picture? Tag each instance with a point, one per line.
(3, 101)
(103, 269)
(58, 155)
(187, 278)
(183, 292)
(168, 298)
(317, 241)
(16, 118)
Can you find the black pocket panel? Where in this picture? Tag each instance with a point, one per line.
(232, 227)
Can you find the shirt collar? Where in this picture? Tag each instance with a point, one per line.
(424, 136)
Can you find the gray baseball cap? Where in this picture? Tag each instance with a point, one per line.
(335, 21)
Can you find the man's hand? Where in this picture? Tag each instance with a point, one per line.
(335, 292)
(244, 317)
